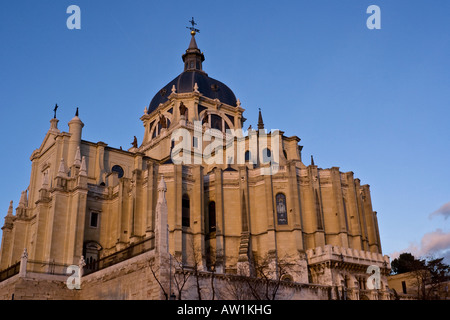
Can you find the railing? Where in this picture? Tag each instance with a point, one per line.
(54, 268)
(10, 271)
(46, 267)
(119, 256)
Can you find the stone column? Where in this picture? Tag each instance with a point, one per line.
(75, 129)
(161, 226)
(23, 264)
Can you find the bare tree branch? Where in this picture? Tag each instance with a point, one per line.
(151, 264)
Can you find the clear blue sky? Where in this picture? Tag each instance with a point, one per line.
(375, 102)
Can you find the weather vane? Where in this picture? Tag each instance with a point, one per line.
(193, 29)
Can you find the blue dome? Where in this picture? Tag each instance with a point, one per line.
(194, 74)
(186, 81)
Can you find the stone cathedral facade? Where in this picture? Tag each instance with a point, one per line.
(113, 212)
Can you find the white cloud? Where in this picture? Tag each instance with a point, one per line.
(442, 211)
(434, 244)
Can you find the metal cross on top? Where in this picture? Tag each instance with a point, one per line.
(193, 29)
(54, 110)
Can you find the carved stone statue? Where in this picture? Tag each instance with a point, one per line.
(205, 118)
(135, 142)
(163, 121)
(183, 109)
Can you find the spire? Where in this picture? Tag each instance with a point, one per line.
(23, 199)
(82, 175)
(62, 168)
(162, 188)
(76, 113)
(9, 219)
(77, 160)
(193, 57)
(312, 161)
(21, 210)
(260, 121)
(193, 43)
(10, 209)
(83, 170)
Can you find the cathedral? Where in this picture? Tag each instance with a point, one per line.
(201, 208)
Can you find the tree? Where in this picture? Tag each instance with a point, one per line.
(428, 274)
(267, 273)
(197, 263)
(406, 262)
(180, 276)
(439, 273)
(154, 268)
(175, 272)
(236, 288)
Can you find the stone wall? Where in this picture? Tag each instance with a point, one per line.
(36, 287)
(330, 252)
(133, 280)
(129, 280)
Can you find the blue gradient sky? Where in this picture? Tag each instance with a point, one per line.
(375, 102)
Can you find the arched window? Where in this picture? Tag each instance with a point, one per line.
(119, 170)
(91, 253)
(216, 122)
(287, 278)
(281, 209)
(212, 216)
(186, 211)
(248, 156)
(318, 213)
(150, 127)
(267, 155)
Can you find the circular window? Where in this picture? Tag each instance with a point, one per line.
(119, 170)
